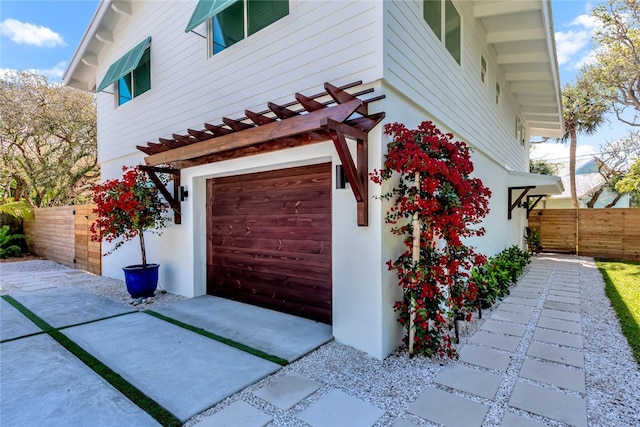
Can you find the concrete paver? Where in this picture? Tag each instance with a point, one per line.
(506, 328)
(13, 324)
(402, 423)
(562, 306)
(273, 332)
(288, 391)
(524, 294)
(559, 314)
(69, 306)
(499, 341)
(568, 300)
(550, 403)
(339, 409)
(550, 352)
(448, 409)
(239, 413)
(551, 373)
(43, 384)
(558, 337)
(508, 316)
(516, 308)
(565, 293)
(485, 357)
(521, 301)
(474, 381)
(512, 420)
(168, 360)
(560, 325)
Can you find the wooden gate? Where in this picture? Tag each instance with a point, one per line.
(605, 233)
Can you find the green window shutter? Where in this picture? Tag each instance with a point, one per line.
(126, 64)
(142, 75)
(262, 13)
(204, 10)
(452, 30)
(433, 15)
(228, 27)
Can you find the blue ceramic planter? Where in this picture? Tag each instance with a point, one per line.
(141, 281)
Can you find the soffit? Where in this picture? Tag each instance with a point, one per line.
(522, 36)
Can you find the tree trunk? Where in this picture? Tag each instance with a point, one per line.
(614, 201)
(142, 250)
(415, 258)
(572, 167)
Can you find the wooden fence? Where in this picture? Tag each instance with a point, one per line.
(606, 233)
(62, 234)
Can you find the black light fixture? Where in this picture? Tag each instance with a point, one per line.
(184, 193)
(341, 178)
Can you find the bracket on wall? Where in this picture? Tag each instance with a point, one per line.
(357, 176)
(514, 204)
(172, 199)
(531, 207)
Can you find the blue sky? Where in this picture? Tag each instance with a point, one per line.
(42, 35)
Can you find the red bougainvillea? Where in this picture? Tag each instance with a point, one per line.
(434, 182)
(127, 207)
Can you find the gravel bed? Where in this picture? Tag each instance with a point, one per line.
(393, 384)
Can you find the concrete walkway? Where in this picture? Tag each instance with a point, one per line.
(527, 356)
(535, 333)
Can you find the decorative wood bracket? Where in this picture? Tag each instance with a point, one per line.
(514, 204)
(531, 207)
(173, 199)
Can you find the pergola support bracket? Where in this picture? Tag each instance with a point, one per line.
(513, 204)
(172, 199)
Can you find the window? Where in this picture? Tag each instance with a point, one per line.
(519, 131)
(449, 21)
(483, 69)
(497, 93)
(243, 18)
(136, 82)
(131, 74)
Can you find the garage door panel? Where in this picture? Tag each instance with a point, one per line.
(269, 240)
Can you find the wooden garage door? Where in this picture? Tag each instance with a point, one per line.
(269, 240)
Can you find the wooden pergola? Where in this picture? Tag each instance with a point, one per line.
(301, 122)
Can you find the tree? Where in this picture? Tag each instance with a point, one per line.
(631, 181)
(615, 71)
(542, 167)
(47, 141)
(582, 113)
(612, 165)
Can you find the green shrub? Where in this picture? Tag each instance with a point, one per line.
(7, 246)
(501, 271)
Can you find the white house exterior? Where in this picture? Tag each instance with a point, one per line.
(494, 89)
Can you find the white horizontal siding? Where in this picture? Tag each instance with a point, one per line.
(318, 41)
(417, 63)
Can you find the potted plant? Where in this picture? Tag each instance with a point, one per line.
(126, 208)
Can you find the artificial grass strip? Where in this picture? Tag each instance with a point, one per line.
(145, 403)
(621, 287)
(259, 353)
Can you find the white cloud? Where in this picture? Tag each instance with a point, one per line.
(30, 34)
(557, 151)
(568, 43)
(584, 20)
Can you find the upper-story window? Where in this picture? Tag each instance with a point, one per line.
(130, 74)
(483, 69)
(445, 25)
(136, 82)
(498, 93)
(241, 19)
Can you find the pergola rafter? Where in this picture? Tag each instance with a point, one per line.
(334, 115)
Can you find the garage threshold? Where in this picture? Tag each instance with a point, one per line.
(279, 334)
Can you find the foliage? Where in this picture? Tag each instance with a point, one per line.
(7, 247)
(126, 208)
(582, 113)
(631, 181)
(47, 141)
(500, 271)
(612, 164)
(19, 209)
(614, 70)
(542, 167)
(621, 287)
(532, 237)
(435, 190)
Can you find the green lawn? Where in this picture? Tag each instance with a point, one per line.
(623, 289)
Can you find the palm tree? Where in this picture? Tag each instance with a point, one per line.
(582, 113)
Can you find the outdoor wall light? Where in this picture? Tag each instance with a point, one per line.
(184, 193)
(341, 178)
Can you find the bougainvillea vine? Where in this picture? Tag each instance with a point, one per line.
(435, 193)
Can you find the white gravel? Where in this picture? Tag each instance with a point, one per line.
(612, 374)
